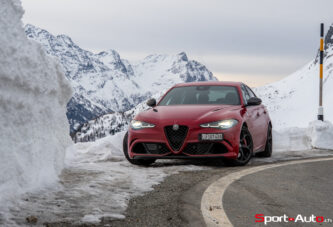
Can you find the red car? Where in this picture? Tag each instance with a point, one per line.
(220, 120)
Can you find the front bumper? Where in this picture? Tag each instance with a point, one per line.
(154, 143)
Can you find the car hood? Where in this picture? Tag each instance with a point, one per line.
(188, 113)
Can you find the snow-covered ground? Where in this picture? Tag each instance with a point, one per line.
(97, 183)
(33, 97)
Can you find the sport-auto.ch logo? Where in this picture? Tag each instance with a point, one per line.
(296, 219)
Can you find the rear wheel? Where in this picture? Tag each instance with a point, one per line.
(269, 144)
(141, 162)
(245, 148)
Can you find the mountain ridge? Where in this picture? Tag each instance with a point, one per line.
(104, 82)
(292, 102)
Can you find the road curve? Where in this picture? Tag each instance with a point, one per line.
(177, 200)
(212, 209)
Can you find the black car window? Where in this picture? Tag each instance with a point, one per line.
(251, 93)
(201, 95)
(246, 95)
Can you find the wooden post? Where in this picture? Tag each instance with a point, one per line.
(321, 109)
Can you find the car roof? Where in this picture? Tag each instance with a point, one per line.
(210, 83)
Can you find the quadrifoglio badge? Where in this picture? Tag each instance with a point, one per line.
(285, 219)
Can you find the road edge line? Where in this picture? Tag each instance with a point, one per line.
(211, 201)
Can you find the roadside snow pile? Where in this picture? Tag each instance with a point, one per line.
(291, 139)
(106, 149)
(321, 134)
(97, 184)
(318, 135)
(33, 97)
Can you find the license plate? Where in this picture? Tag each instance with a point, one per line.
(211, 136)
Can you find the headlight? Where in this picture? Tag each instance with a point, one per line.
(141, 124)
(224, 124)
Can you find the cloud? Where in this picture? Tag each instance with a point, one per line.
(240, 36)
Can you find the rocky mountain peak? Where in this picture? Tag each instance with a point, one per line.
(182, 56)
(66, 39)
(105, 82)
(110, 53)
(329, 38)
(328, 45)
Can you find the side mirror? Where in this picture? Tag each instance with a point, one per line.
(254, 101)
(151, 102)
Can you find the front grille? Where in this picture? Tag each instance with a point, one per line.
(150, 148)
(176, 137)
(204, 148)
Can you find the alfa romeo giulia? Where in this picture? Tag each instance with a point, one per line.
(220, 120)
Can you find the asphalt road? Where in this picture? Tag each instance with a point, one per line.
(174, 202)
(291, 190)
(296, 189)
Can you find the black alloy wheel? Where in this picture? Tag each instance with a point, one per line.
(245, 148)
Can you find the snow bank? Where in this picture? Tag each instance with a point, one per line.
(106, 149)
(291, 139)
(99, 182)
(318, 135)
(33, 97)
(321, 134)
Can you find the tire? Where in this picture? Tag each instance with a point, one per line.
(140, 162)
(269, 144)
(245, 148)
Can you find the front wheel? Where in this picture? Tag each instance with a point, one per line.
(245, 152)
(141, 162)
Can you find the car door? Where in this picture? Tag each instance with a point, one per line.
(252, 118)
(259, 119)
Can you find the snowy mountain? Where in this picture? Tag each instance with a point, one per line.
(109, 124)
(105, 82)
(293, 101)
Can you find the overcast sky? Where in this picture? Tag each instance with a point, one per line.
(255, 41)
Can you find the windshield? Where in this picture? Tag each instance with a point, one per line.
(201, 95)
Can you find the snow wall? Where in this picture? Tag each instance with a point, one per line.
(33, 95)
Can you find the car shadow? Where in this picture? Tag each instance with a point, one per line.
(196, 162)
